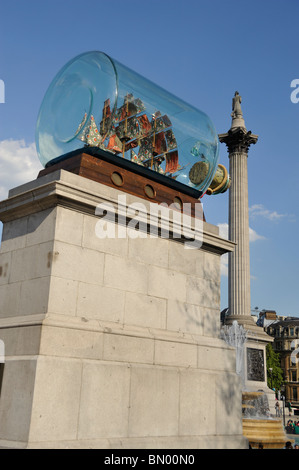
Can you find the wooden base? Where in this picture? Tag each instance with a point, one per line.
(116, 176)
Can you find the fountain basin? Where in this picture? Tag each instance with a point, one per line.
(246, 395)
(268, 432)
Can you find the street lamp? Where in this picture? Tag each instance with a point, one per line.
(283, 404)
(270, 370)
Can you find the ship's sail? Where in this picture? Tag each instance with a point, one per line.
(150, 143)
(90, 135)
(130, 107)
(105, 124)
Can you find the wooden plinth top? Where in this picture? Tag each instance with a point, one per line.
(116, 176)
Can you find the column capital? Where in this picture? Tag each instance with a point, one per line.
(238, 139)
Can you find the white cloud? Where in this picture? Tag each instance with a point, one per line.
(223, 232)
(224, 265)
(19, 164)
(261, 211)
(253, 235)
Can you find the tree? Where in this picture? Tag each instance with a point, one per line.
(275, 375)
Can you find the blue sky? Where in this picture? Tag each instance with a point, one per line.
(202, 52)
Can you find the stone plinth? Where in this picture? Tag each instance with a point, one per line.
(109, 343)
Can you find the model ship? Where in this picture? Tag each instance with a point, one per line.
(130, 134)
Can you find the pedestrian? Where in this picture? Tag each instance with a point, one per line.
(277, 408)
(288, 445)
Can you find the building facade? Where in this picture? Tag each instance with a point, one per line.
(285, 331)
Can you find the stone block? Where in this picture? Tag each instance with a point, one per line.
(31, 262)
(104, 404)
(211, 321)
(69, 226)
(118, 347)
(182, 316)
(41, 227)
(63, 296)
(5, 267)
(114, 246)
(145, 310)
(101, 303)
(55, 409)
(228, 412)
(184, 260)
(148, 251)
(28, 340)
(125, 274)
(216, 358)
(10, 299)
(14, 235)
(34, 296)
(21, 341)
(167, 284)
(73, 343)
(16, 399)
(211, 267)
(24, 264)
(197, 402)
(203, 292)
(77, 263)
(171, 353)
(154, 402)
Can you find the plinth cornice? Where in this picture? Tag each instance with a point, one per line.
(71, 191)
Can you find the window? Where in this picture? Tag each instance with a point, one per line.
(295, 395)
(290, 361)
(294, 376)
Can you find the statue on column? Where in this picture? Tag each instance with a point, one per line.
(236, 107)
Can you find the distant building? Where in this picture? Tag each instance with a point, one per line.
(266, 317)
(285, 331)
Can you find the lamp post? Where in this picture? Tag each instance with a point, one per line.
(270, 370)
(283, 404)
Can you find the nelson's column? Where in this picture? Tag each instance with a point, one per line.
(238, 141)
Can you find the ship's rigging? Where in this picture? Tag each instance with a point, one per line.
(150, 143)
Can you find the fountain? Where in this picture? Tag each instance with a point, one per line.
(236, 336)
(258, 425)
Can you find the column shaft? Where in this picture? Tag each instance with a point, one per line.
(239, 261)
